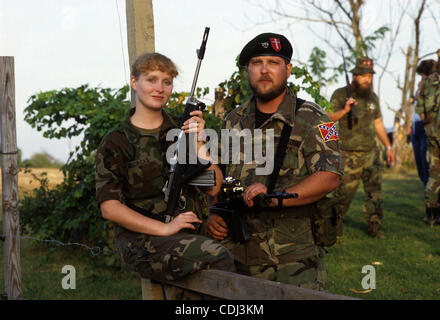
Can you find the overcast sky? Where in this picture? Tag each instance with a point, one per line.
(66, 43)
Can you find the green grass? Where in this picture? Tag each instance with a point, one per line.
(409, 256)
(41, 265)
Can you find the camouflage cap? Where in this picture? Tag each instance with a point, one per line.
(364, 65)
(266, 44)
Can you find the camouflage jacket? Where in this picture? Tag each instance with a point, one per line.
(428, 103)
(362, 135)
(287, 235)
(131, 167)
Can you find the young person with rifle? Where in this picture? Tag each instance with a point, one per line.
(131, 171)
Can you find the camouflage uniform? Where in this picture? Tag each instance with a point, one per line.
(281, 245)
(131, 168)
(360, 156)
(428, 104)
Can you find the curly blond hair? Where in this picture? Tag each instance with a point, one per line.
(151, 61)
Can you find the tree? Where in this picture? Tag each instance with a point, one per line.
(42, 160)
(403, 117)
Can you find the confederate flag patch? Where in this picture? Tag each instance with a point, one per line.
(328, 131)
(276, 44)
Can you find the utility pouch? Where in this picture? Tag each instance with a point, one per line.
(325, 220)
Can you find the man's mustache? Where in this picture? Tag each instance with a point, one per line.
(265, 78)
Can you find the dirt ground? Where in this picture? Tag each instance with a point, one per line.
(26, 181)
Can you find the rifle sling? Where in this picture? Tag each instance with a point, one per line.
(281, 151)
(161, 217)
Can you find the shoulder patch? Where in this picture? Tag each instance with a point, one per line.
(328, 131)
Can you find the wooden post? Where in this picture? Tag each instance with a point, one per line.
(140, 39)
(140, 30)
(11, 227)
(219, 108)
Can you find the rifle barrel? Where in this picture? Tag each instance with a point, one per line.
(200, 55)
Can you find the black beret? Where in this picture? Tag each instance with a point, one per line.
(266, 44)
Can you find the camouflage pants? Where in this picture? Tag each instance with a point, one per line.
(433, 186)
(365, 166)
(172, 257)
(307, 273)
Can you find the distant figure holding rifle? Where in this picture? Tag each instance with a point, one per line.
(360, 154)
(428, 106)
(281, 244)
(131, 171)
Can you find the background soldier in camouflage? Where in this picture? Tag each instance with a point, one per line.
(131, 171)
(360, 153)
(281, 245)
(428, 105)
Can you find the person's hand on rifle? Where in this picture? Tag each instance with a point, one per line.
(217, 227)
(253, 191)
(184, 220)
(335, 116)
(195, 124)
(350, 101)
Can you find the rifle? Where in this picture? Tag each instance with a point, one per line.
(353, 111)
(185, 173)
(233, 210)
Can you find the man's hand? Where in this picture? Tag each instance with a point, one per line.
(350, 101)
(254, 190)
(390, 156)
(217, 227)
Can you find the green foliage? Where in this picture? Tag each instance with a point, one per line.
(41, 160)
(369, 42)
(176, 105)
(310, 86)
(237, 88)
(318, 67)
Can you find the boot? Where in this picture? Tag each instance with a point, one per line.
(431, 216)
(373, 230)
(437, 214)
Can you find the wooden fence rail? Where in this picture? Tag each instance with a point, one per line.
(232, 286)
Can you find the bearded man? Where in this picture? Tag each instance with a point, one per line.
(359, 150)
(281, 245)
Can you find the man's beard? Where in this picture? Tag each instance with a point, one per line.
(270, 95)
(362, 91)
